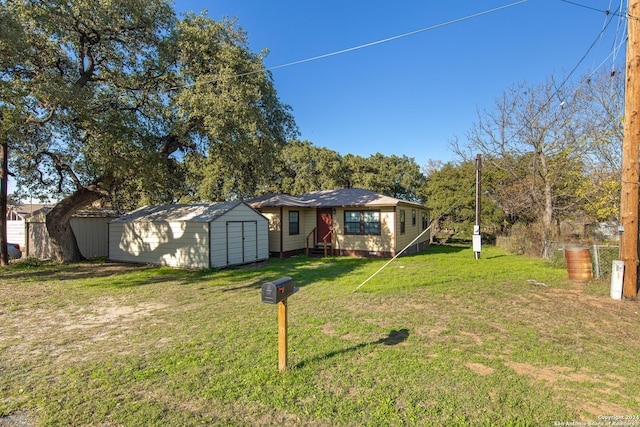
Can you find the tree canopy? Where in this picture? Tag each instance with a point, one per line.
(122, 102)
(111, 96)
(553, 149)
(303, 167)
(450, 195)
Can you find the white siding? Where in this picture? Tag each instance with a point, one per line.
(235, 242)
(308, 219)
(39, 241)
(176, 244)
(250, 244)
(235, 237)
(16, 234)
(239, 236)
(373, 244)
(92, 235)
(411, 230)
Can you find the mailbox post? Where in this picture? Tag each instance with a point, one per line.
(283, 347)
(277, 293)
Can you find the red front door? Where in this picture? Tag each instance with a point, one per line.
(324, 224)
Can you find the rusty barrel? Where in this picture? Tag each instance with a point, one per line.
(578, 263)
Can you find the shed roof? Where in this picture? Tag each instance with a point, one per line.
(40, 215)
(29, 209)
(329, 198)
(196, 212)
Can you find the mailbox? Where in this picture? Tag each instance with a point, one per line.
(280, 290)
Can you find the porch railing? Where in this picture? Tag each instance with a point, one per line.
(328, 241)
(330, 236)
(312, 233)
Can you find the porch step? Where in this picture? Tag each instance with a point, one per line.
(318, 250)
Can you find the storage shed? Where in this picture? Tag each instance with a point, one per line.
(91, 228)
(191, 235)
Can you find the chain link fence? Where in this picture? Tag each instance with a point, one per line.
(602, 256)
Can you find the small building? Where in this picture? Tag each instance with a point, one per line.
(90, 226)
(16, 221)
(348, 221)
(190, 235)
(24, 211)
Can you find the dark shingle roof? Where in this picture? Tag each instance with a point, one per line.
(272, 200)
(329, 198)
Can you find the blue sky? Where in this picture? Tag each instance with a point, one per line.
(413, 95)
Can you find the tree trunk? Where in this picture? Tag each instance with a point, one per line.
(547, 212)
(547, 215)
(4, 180)
(58, 222)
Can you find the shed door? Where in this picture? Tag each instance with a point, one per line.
(250, 229)
(242, 242)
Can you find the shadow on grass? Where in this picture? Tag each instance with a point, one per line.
(444, 249)
(79, 270)
(103, 274)
(302, 269)
(493, 257)
(395, 337)
(254, 285)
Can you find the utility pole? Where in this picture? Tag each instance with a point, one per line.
(630, 152)
(4, 177)
(477, 238)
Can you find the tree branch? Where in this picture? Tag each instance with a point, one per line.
(63, 167)
(44, 120)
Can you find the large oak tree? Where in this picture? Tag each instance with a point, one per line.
(113, 93)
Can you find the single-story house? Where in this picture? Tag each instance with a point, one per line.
(16, 221)
(349, 221)
(24, 211)
(200, 235)
(90, 226)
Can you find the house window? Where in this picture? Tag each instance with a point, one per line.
(371, 222)
(424, 220)
(294, 222)
(402, 221)
(352, 222)
(362, 222)
(413, 217)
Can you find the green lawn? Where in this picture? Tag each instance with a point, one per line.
(435, 339)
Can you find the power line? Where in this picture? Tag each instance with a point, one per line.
(433, 27)
(445, 212)
(619, 34)
(453, 205)
(607, 11)
(362, 46)
(598, 37)
(557, 88)
(556, 93)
